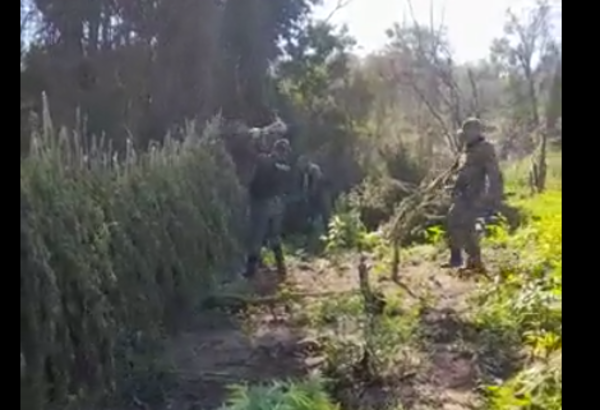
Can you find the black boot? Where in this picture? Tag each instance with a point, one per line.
(251, 266)
(279, 260)
(456, 259)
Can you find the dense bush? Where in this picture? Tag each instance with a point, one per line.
(115, 252)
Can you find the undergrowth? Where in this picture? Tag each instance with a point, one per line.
(523, 307)
(305, 395)
(519, 310)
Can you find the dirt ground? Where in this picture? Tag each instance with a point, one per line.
(220, 349)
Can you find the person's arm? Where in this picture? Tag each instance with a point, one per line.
(495, 191)
(262, 159)
(316, 172)
(314, 176)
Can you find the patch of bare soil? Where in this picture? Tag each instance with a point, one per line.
(259, 346)
(262, 345)
(449, 376)
(266, 343)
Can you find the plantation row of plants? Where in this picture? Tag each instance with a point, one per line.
(115, 253)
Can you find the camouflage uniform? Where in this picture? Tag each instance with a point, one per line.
(266, 206)
(471, 199)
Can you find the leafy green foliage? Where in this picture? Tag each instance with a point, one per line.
(346, 231)
(305, 395)
(525, 304)
(434, 234)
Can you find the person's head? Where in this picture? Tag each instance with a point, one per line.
(471, 130)
(303, 162)
(282, 148)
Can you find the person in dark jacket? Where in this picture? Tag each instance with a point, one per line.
(267, 189)
(314, 192)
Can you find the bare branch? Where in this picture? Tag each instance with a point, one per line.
(475, 107)
(339, 5)
(447, 131)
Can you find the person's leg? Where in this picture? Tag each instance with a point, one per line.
(258, 231)
(456, 221)
(472, 247)
(274, 234)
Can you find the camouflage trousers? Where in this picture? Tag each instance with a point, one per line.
(266, 217)
(461, 226)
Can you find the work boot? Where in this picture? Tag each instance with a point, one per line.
(475, 265)
(456, 260)
(279, 260)
(251, 266)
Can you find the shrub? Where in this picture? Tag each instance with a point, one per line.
(114, 251)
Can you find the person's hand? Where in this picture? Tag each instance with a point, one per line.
(490, 204)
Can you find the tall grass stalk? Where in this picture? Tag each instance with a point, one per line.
(115, 245)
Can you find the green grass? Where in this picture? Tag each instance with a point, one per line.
(525, 304)
(304, 395)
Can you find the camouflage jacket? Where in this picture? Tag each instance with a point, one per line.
(479, 177)
(271, 178)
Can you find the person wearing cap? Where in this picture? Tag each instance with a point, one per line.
(267, 187)
(478, 188)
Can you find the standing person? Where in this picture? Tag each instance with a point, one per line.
(472, 196)
(267, 188)
(315, 192)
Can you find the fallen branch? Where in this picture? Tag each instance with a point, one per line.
(414, 209)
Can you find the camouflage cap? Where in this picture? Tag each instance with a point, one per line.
(472, 124)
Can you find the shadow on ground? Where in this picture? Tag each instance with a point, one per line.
(256, 344)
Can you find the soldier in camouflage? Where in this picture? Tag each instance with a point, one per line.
(267, 188)
(314, 192)
(477, 190)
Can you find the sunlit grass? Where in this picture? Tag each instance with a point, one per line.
(526, 301)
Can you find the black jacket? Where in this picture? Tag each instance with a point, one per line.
(271, 178)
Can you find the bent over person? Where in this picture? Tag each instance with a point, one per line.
(478, 189)
(267, 187)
